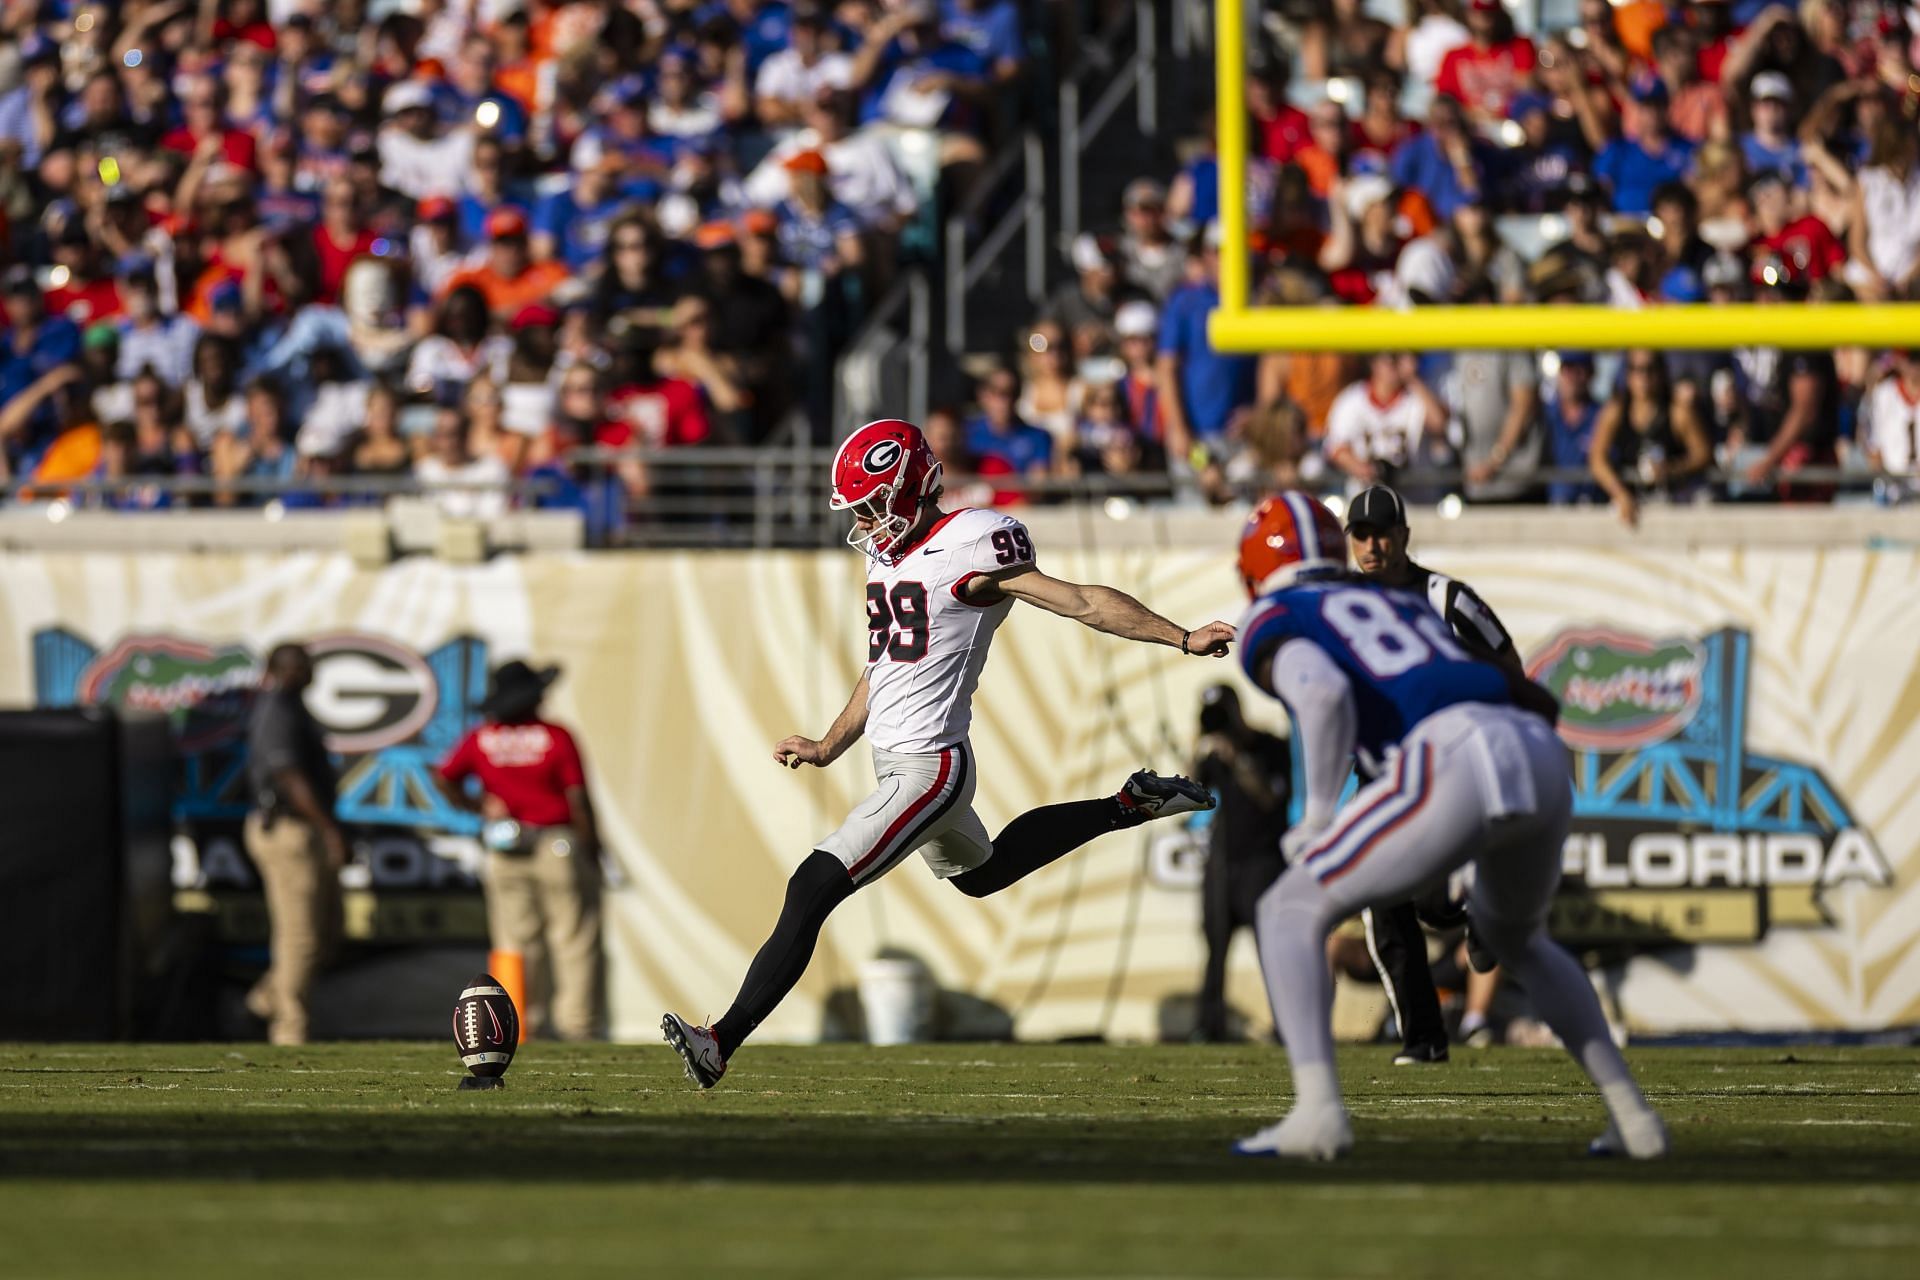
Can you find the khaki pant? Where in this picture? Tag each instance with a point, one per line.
(303, 911)
(546, 906)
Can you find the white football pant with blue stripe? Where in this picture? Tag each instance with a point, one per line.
(1475, 782)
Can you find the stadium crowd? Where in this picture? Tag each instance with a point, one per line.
(1651, 154)
(456, 239)
(462, 240)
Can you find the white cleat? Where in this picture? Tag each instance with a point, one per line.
(697, 1049)
(1324, 1134)
(1643, 1136)
(1159, 797)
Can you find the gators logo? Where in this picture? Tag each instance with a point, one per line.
(1617, 691)
(200, 689)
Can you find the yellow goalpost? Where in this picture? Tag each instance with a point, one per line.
(1239, 326)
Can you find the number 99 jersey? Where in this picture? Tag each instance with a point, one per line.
(926, 646)
(1403, 662)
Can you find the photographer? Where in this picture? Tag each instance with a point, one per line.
(1252, 773)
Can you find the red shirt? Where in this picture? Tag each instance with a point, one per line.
(237, 147)
(1486, 78)
(527, 766)
(1284, 135)
(667, 412)
(1807, 247)
(335, 258)
(87, 303)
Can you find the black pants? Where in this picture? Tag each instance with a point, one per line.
(1230, 889)
(1399, 951)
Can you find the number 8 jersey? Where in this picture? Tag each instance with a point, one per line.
(1402, 660)
(925, 645)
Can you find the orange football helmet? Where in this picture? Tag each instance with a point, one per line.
(1287, 533)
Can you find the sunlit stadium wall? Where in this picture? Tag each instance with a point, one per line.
(1748, 721)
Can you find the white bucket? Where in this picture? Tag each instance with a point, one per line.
(897, 998)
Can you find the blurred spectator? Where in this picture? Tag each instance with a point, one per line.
(377, 448)
(263, 451)
(863, 174)
(1341, 39)
(212, 395)
(1697, 109)
(461, 484)
(1383, 424)
(1571, 415)
(1649, 441)
(688, 354)
(1445, 163)
(1890, 427)
(1533, 177)
(790, 79)
(998, 432)
(510, 279)
(1137, 325)
(914, 78)
(1884, 231)
(1201, 389)
(1363, 238)
(1634, 167)
(1047, 389)
(1150, 258)
(1436, 32)
(1308, 380)
(460, 348)
(752, 324)
(148, 337)
(1495, 398)
(1794, 398)
(1770, 144)
(991, 29)
(1804, 243)
(417, 158)
(1494, 64)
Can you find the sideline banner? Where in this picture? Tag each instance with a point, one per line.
(1746, 728)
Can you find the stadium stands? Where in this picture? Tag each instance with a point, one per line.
(604, 256)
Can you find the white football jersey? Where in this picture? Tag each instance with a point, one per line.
(925, 645)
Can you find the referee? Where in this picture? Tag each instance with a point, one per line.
(1377, 536)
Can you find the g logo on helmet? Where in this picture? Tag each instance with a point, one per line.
(882, 457)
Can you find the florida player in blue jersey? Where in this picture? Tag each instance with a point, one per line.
(1466, 767)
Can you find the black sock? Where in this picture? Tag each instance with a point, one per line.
(817, 886)
(1039, 836)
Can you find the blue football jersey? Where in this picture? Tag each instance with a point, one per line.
(1401, 658)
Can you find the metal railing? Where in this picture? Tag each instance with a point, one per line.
(1029, 212)
(866, 364)
(1136, 79)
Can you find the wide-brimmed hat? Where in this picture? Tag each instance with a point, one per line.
(516, 689)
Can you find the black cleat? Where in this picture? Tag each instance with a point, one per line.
(1420, 1055)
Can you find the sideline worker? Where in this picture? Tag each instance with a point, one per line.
(543, 866)
(294, 841)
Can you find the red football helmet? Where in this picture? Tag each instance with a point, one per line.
(885, 472)
(1286, 534)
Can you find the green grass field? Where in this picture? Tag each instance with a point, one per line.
(361, 1160)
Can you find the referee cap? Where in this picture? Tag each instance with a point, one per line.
(1378, 506)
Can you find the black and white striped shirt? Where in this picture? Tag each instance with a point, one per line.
(1477, 625)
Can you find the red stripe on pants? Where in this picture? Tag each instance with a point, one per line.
(905, 820)
(1373, 841)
